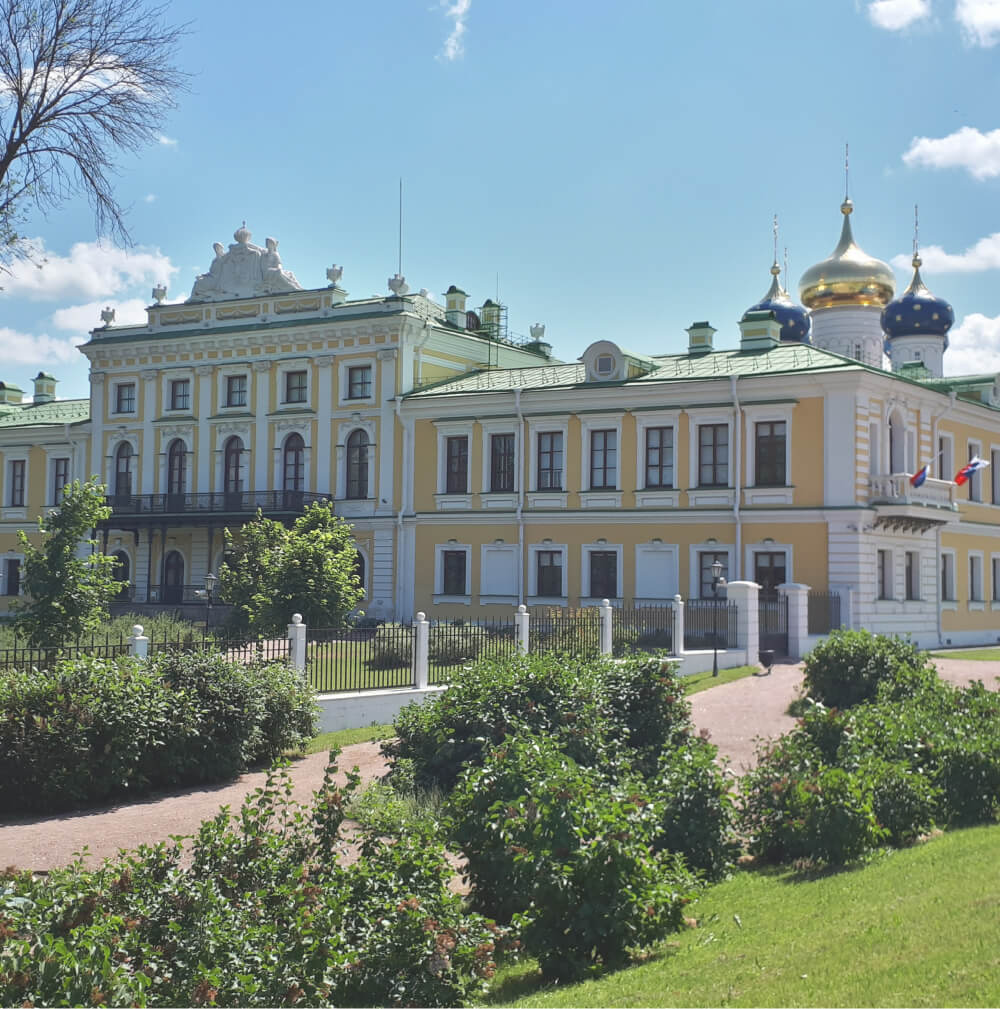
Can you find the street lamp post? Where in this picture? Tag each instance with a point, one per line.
(717, 582)
(210, 581)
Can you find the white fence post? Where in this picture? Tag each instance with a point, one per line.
(605, 610)
(522, 620)
(138, 643)
(798, 616)
(745, 594)
(421, 651)
(297, 643)
(678, 648)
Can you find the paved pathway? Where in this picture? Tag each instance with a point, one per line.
(734, 714)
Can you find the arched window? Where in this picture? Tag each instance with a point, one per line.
(122, 572)
(235, 463)
(294, 463)
(123, 470)
(177, 467)
(897, 443)
(173, 577)
(357, 465)
(359, 567)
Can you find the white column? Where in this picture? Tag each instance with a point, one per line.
(522, 620)
(605, 610)
(147, 485)
(798, 617)
(421, 650)
(386, 430)
(297, 643)
(678, 648)
(262, 383)
(204, 373)
(324, 420)
(744, 594)
(97, 407)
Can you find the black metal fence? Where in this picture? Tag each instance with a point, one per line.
(451, 646)
(564, 630)
(642, 629)
(20, 655)
(371, 658)
(710, 623)
(824, 612)
(772, 622)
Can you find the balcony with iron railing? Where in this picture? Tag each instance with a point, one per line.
(211, 505)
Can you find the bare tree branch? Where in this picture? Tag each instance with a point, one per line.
(81, 81)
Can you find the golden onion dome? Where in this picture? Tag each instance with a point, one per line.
(849, 276)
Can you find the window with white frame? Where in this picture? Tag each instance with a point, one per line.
(912, 575)
(995, 476)
(659, 460)
(975, 479)
(995, 581)
(948, 577)
(359, 381)
(125, 397)
(502, 462)
(549, 572)
(713, 455)
(180, 394)
(60, 477)
(706, 577)
(946, 458)
(770, 569)
(603, 459)
(296, 386)
(236, 390)
(17, 480)
(602, 568)
(769, 453)
(550, 461)
(456, 464)
(975, 578)
(452, 575)
(12, 576)
(884, 574)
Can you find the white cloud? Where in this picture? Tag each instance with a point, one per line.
(895, 15)
(979, 20)
(456, 11)
(166, 141)
(978, 153)
(974, 346)
(26, 348)
(984, 255)
(83, 318)
(91, 270)
(149, 198)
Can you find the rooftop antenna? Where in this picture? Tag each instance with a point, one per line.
(776, 238)
(399, 268)
(786, 267)
(916, 232)
(847, 173)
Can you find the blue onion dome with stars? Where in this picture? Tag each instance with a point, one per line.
(917, 312)
(794, 319)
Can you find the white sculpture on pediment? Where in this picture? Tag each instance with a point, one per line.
(244, 271)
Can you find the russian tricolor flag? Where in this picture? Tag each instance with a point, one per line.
(920, 476)
(972, 466)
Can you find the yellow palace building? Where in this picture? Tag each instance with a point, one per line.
(479, 473)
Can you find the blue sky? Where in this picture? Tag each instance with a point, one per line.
(616, 166)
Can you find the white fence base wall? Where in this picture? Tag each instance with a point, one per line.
(701, 662)
(359, 709)
(956, 639)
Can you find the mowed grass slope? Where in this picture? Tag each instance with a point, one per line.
(919, 927)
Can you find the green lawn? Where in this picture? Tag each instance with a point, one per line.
(919, 927)
(697, 682)
(345, 737)
(976, 654)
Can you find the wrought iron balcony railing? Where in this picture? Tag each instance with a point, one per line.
(217, 503)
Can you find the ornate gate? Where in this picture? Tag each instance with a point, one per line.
(773, 623)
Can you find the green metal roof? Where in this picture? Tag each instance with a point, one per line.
(58, 412)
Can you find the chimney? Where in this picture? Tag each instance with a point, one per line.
(700, 337)
(454, 306)
(45, 388)
(759, 331)
(10, 394)
(490, 315)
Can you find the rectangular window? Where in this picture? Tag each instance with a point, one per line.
(16, 496)
(453, 581)
(769, 571)
(995, 475)
(769, 460)
(12, 577)
(549, 571)
(550, 461)
(236, 390)
(947, 577)
(975, 579)
(180, 394)
(996, 579)
(603, 459)
(976, 479)
(457, 481)
(125, 397)
(713, 455)
(603, 574)
(706, 559)
(660, 457)
(502, 463)
(912, 575)
(296, 386)
(60, 477)
(884, 575)
(945, 464)
(359, 382)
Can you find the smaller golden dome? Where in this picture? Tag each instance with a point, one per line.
(849, 276)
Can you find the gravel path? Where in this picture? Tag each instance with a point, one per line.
(734, 714)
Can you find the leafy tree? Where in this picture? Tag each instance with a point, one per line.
(68, 588)
(80, 80)
(271, 571)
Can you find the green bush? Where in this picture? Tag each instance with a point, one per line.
(392, 647)
(262, 913)
(89, 729)
(567, 853)
(848, 667)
